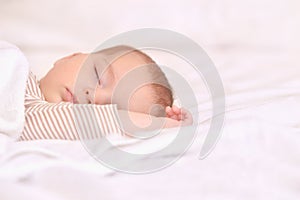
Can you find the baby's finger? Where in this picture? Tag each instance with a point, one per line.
(169, 111)
(176, 109)
(188, 117)
(175, 117)
(182, 116)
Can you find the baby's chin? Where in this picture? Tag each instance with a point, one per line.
(52, 98)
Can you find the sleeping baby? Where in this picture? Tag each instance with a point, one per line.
(98, 94)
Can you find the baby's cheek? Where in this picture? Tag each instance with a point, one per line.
(138, 103)
(103, 96)
(53, 97)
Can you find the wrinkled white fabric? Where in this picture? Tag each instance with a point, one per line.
(13, 76)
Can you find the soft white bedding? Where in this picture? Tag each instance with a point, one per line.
(256, 54)
(256, 158)
(13, 76)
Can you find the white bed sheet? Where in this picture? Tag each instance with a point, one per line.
(256, 158)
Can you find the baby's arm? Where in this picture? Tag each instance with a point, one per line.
(138, 121)
(74, 121)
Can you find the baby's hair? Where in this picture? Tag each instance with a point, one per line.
(161, 89)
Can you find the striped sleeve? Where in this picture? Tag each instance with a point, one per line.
(70, 121)
(64, 120)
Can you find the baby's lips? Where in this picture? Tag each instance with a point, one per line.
(69, 97)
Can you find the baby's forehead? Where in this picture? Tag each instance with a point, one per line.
(111, 56)
(118, 62)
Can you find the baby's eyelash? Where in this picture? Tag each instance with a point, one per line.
(98, 78)
(96, 73)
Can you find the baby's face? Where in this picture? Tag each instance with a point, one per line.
(84, 78)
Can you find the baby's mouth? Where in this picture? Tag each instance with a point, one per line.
(69, 97)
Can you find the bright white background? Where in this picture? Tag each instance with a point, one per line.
(46, 30)
(254, 44)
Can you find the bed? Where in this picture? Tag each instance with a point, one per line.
(256, 55)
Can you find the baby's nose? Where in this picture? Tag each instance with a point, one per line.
(102, 97)
(88, 96)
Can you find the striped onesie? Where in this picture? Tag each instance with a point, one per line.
(64, 120)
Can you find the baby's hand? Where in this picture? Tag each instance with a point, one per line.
(179, 114)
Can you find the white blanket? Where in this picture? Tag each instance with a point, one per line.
(13, 76)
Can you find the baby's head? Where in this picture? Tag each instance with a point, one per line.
(119, 75)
